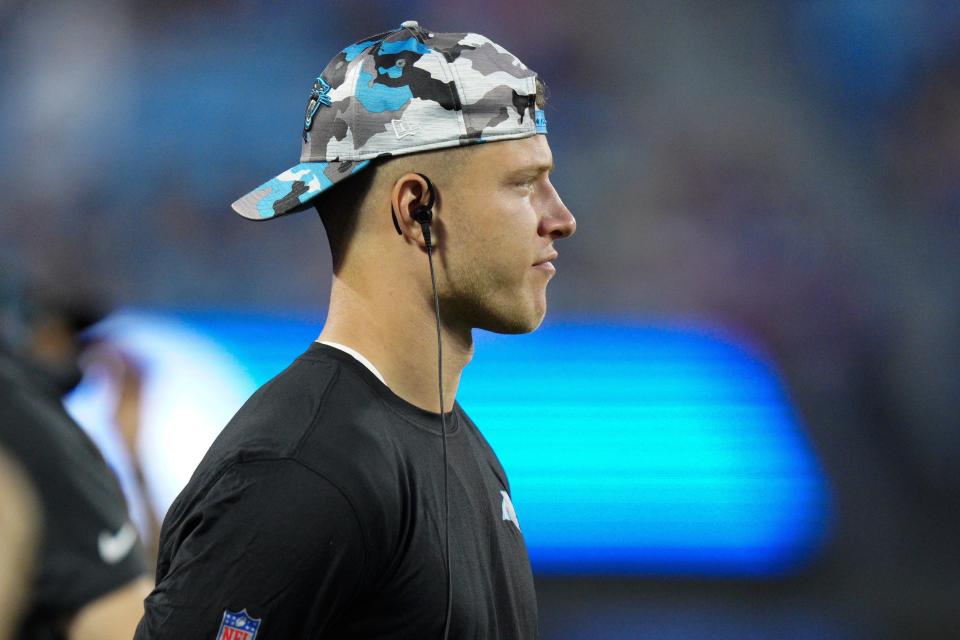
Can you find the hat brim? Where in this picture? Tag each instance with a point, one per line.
(292, 190)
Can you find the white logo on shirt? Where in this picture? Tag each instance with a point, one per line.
(507, 509)
(115, 547)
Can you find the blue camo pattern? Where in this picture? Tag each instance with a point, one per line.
(403, 91)
(294, 187)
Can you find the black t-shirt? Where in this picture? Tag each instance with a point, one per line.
(88, 548)
(319, 512)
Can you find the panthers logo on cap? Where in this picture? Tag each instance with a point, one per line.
(318, 96)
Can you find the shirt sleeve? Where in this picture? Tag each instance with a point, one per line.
(272, 540)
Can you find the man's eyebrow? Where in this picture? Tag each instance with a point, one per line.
(533, 170)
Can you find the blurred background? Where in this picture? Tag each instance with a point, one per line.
(767, 197)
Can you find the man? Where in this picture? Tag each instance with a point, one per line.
(321, 510)
(90, 576)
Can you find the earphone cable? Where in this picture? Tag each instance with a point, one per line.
(443, 426)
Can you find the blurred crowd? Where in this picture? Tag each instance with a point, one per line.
(789, 171)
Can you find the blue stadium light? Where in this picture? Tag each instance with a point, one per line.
(632, 449)
(648, 450)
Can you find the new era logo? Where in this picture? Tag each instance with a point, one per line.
(402, 129)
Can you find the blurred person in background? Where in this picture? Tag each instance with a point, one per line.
(51, 332)
(100, 383)
(91, 577)
(108, 405)
(321, 510)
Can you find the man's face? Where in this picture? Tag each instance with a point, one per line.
(501, 216)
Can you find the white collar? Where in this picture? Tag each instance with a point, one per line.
(356, 354)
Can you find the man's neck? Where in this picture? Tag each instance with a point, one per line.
(397, 332)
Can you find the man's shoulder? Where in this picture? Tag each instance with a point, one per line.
(316, 424)
(320, 412)
(276, 416)
(319, 395)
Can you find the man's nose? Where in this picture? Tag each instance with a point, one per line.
(557, 221)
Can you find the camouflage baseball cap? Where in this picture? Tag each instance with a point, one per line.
(403, 91)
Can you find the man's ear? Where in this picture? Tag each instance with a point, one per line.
(409, 192)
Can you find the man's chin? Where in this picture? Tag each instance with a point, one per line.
(515, 324)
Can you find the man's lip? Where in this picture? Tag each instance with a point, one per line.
(552, 256)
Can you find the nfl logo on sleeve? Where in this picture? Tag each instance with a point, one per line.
(238, 626)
